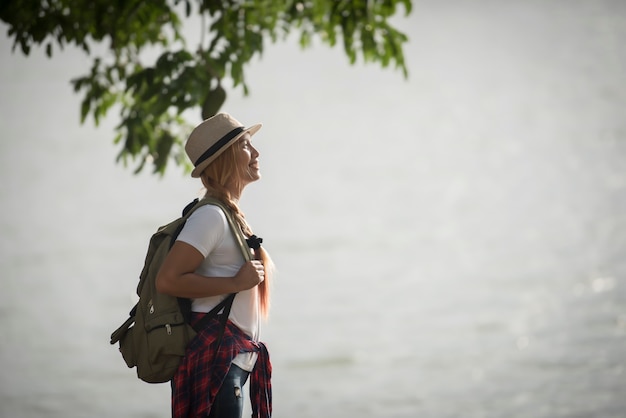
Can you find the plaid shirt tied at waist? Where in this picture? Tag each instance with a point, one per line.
(202, 371)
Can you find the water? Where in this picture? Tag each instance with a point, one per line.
(448, 245)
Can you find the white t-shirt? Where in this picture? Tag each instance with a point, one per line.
(207, 230)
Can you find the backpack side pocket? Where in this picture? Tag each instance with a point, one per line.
(127, 348)
(124, 334)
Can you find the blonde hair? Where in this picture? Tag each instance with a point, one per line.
(221, 177)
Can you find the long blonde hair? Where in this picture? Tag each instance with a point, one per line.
(219, 178)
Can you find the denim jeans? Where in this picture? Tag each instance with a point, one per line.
(228, 402)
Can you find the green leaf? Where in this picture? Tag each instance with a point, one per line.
(85, 106)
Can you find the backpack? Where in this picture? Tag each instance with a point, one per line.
(156, 334)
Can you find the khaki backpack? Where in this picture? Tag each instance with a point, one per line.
(157, 331)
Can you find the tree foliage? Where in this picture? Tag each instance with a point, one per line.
(152, 94)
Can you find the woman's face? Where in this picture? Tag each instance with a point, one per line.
(247, 159)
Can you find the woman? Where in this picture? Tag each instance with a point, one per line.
(205, 265)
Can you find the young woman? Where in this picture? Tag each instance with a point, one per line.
(205, 265)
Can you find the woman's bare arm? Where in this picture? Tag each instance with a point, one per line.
(177, 275)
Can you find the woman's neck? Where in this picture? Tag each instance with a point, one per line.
(232, 192)
(235, 193)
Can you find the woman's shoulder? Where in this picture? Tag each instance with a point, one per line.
(209, 213)
(204, 228)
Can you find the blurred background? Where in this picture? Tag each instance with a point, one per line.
(447, 245)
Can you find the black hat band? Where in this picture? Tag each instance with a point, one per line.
(218, 145)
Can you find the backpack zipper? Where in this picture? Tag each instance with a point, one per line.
(168, 327)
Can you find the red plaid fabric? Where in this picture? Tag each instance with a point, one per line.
(202, 372)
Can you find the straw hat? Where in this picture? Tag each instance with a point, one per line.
(212, 137)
